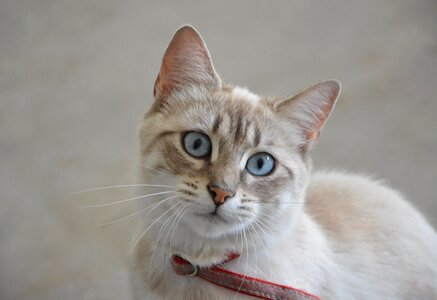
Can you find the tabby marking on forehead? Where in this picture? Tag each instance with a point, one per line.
(241, 118)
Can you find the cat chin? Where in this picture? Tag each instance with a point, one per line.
(212, 227)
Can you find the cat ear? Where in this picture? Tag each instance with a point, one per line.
(186, 63)
(310, 109)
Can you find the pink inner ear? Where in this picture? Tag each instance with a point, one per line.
(186, 62)
(312, 136)
(162, 88)
(311, 108)
(320, 119)
(157, 82)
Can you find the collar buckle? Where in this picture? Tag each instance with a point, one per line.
(195, 271)
(183, 267)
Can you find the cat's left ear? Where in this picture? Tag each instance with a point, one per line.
(310, 109)
(186, 64)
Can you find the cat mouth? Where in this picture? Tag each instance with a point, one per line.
(213, 216)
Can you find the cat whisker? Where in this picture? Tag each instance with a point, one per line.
(267, 216)
(247, 264)
(250, 232)
(126, 200)
(187, 192)
(117, 186)
(239, 238)
(271, 227)
(172, 221)
(176, 222)
(254, 231)
(137, 212)
(163, 226)
(158, 171)
(248, 200)
(264, 246)
(150, 226)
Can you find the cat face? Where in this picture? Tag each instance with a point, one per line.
(235, 160)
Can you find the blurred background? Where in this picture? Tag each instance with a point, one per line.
(76, 76)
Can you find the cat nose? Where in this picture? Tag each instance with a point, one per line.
(218, 195)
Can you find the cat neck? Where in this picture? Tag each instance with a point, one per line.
(200, 250)
(204, 251)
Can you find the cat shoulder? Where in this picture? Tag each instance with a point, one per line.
(354, 204)
(349, 197)
(337, 185)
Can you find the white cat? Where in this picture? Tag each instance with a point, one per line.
(239, 181)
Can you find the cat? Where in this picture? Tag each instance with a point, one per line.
(240, 180)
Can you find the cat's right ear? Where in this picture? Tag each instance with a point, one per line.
(310, 109)
(186, 64)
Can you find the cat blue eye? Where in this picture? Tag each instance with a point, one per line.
(197, 144)
(260, 164)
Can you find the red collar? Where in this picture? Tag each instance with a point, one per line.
(240, 283)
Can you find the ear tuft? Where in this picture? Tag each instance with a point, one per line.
(310, 108)
(186, 64)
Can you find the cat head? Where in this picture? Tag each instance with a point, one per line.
(234, 159)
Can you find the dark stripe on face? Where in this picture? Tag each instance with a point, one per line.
(191, 185)
(246, 128)
(189, 193)
(239, 129)
(175, 159)
(264, 186)
(216, 124)
(243, 177)
(290, 173)
(257, 136)
(153, 142)
(164, 133)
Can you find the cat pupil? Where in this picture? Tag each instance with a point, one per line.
(260, 163)
(197, 144)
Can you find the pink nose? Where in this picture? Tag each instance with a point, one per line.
(218, 195)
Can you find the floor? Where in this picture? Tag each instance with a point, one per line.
(76, 76)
